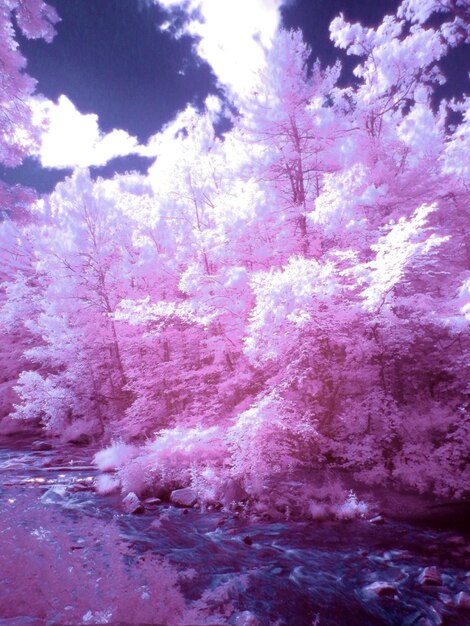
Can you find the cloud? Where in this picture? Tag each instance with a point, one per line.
(72, 139)
(234, 35)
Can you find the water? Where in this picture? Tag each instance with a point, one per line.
(293, 573)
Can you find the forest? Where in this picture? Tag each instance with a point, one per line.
(285, 292)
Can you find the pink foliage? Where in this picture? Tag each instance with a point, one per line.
(291, 296)
(63, 575)
(175, 458)
(113, 457)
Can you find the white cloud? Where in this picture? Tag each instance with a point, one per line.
(234, 38)
(72, 139)
(235, 35)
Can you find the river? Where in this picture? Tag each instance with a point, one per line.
(237, 571)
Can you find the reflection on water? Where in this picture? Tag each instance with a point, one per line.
(323, 573)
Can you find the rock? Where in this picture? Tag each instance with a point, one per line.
(434, 616)
(413, 619)
(245, 618)
(430, 576)
(77, 487)
(380, 588)
(41, 446)
(456, 540)
(445, 599)
(151, 503)
(55, 494)
(378, 519)
(186, 497)
(55, 462)
(86, 482)
(457, 553)
(427, 620)
(232, 492)
(132, 504)
(248, 540)
(80, 440)
(462, 600)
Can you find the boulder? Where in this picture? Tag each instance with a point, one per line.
(151, 503)
(80, 440)
(186, 497)
(232, 492)
(245, 618)
(446, 600)
(456, 540)
(432, 617)
(462, 600)
(54, 495)
(380, 588)
(41, 446)
(78, 487)
(430, 576)
(132, 504)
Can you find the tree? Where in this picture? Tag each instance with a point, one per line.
(291, 126)
(20, 135)
(81, 254)
(296, 288)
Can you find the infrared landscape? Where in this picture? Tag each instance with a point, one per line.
(235, 349)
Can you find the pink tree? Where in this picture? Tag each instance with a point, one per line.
(36, 20)
(298, 290)
(81, 254)
(19, 137)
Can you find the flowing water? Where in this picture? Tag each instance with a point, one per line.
(297, 572)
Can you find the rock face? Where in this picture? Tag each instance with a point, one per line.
(132, 504)
(186, 497)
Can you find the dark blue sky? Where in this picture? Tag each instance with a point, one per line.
(110, 58)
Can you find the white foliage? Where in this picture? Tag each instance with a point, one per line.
(114, 456)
